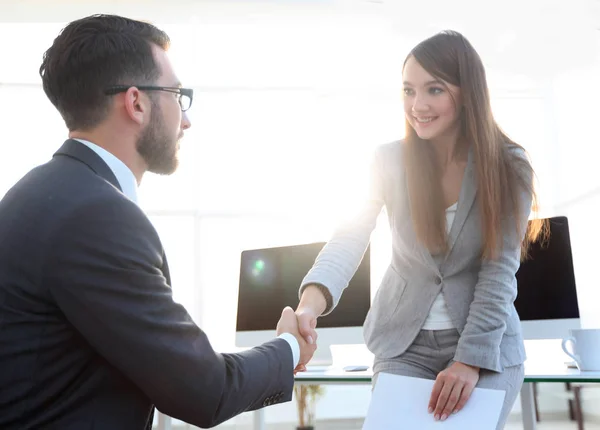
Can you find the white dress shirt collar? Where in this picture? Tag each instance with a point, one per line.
(123, 174)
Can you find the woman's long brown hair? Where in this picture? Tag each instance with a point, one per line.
(502, 177)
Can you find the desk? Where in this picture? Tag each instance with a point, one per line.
(545, 363)
(533, 373)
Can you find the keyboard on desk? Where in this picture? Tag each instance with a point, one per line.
(316, 368)
(357, 368)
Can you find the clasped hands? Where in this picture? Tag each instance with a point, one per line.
(303, 323)
(451, 390)
(293, 323)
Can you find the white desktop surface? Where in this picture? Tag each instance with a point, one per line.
(333, 375)
(552, 371)
(546, 362)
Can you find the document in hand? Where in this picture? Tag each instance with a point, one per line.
(400, 402)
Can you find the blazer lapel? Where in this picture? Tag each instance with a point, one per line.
(406, 231)
(468, 190)
(77, 150)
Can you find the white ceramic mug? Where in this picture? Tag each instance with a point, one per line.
(583, 346)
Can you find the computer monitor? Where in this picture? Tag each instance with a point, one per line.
(547, 296)
(270, 279)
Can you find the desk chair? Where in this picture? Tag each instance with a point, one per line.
(573, 395)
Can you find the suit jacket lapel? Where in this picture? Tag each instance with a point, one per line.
(468, 190)
(77, 150)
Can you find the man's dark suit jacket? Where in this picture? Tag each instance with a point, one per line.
(90, 337)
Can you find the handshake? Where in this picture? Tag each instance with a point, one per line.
(303, 323)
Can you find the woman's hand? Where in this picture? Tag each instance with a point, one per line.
(453, 387)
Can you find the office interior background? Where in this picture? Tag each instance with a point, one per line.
(291, 98)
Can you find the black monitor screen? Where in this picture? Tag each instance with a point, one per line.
(270, 279)
(546, 280)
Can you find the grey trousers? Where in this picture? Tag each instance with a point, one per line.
(433, 351)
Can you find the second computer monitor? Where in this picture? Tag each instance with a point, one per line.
(270, 279)
(547, 295)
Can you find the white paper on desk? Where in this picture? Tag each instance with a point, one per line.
(400, 402)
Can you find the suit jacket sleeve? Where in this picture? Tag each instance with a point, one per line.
(339, 259)
(105, 271)
(496, 289)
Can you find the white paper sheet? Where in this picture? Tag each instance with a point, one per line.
(400, 402)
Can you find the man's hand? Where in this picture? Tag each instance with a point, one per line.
(289, 324)
(453, 387)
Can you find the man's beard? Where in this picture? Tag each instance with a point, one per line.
(158, 151)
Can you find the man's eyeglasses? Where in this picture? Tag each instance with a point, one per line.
(184, 95)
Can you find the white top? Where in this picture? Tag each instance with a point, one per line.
(129, 185)
(439, 318)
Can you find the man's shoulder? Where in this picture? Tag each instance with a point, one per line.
(59, 191)
(74, 184)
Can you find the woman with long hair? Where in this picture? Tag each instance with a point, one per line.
(458, 193)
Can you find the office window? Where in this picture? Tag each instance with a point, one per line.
(285, 119)
(30, 133)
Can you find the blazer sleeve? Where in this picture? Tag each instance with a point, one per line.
(339, 259)
(495, 291)
(104, 270)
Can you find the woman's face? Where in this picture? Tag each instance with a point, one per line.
(431, 106)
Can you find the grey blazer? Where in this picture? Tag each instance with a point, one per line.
(479, 293)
